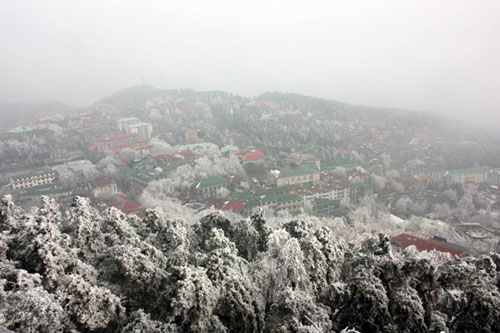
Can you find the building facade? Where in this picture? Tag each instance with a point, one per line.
(142, 129)
(298, 175)
(122, 123)
(211, 187)
(464, 176)
(33, 178)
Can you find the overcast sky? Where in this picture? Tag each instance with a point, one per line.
(439, 56)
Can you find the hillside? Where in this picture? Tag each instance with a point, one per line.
(110, 272)
(13, 114)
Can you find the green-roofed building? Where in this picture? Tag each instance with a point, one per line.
(20, 130)
(297, 175)
(348, 166)
(251, 205)
(272, 190)
(229, 148)
(325, 206)
(172, 165)
(464, 176)
(211, 187)
(194, 146)
(127, 172)
(241, 195)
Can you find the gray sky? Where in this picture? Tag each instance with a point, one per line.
(433, 55)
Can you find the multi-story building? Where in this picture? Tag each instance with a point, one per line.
(124, 122)
(211, 187)
(298, 175)
(429, 175)
(117, 140)
(336, 191)
(291, 202)
(33, 178)
(142, 129)
(464, 176)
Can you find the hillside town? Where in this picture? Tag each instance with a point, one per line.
(289, 154)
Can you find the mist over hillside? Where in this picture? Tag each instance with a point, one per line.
(13, 114)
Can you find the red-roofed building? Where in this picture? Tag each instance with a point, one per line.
(252, 155)
(361, 176)
(115, 142)
(402, 181)
(139, 146)
(124, 203)
(122, 144)
(186, 197)
(234, 206)
(236, 180)
(188, 154)
(166, 157)
(298, 158)
(217, 203)
(404, 240)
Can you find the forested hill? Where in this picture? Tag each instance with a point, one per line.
(89, 272)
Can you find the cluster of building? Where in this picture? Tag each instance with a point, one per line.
(292, 156)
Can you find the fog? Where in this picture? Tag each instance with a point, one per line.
(439, 56)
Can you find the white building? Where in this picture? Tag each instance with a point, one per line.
(33, 178)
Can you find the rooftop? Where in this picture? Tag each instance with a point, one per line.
(212, 181)
(33, 172)
(128, 119)
(20, 129)
(102, 181)
(298, 170)
(123, 203)
(282, 198)
(229, 148)
(361, 186)
(253, 154)
(197, 145)
(421, 244)
(139, 124)
(234, 205)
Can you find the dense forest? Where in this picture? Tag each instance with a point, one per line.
(85, 271)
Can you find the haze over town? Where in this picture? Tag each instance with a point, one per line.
(439, 56)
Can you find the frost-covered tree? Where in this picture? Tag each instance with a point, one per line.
(194, 301)
(91, 307)
(87, 271)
